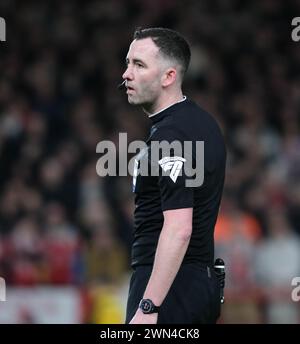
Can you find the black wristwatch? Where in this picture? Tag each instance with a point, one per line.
(148, 307)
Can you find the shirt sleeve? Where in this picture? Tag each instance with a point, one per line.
(173, 166)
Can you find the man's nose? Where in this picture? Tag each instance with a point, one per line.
(127, 75)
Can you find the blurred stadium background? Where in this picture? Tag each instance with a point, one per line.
(65, 232)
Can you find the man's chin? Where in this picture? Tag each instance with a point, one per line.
(133, 101)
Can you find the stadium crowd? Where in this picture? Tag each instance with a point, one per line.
(62, 224)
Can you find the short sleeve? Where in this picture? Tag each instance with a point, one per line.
(173, 164)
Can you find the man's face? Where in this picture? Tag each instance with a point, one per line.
(144, 73)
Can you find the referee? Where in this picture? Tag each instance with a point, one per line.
(173, 279)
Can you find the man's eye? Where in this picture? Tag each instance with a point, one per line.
(139, 64)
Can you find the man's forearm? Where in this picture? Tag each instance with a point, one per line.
(171, 248)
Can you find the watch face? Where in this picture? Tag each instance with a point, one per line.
(146, 306)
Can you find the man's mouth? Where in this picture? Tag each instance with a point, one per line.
(129, 89)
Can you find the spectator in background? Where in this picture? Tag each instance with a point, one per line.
(237, 233)
(26, 247)
(277, 263)
(105, 258)
(62, 243)
(105, 262)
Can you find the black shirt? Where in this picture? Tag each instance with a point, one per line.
(166, 189)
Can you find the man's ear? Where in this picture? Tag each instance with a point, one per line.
(169, 77)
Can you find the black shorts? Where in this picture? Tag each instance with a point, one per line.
(194, 297)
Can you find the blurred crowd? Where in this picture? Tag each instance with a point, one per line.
(61, 224)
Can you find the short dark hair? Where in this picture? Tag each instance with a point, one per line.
(170, 43)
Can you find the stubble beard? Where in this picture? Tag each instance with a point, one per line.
(146, 102)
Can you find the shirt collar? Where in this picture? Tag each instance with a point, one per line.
(158, 112)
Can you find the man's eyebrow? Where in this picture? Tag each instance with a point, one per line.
(134, 61)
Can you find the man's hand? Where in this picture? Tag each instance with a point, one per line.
(141, 318)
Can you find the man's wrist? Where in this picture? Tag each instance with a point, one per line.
(147, 306)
